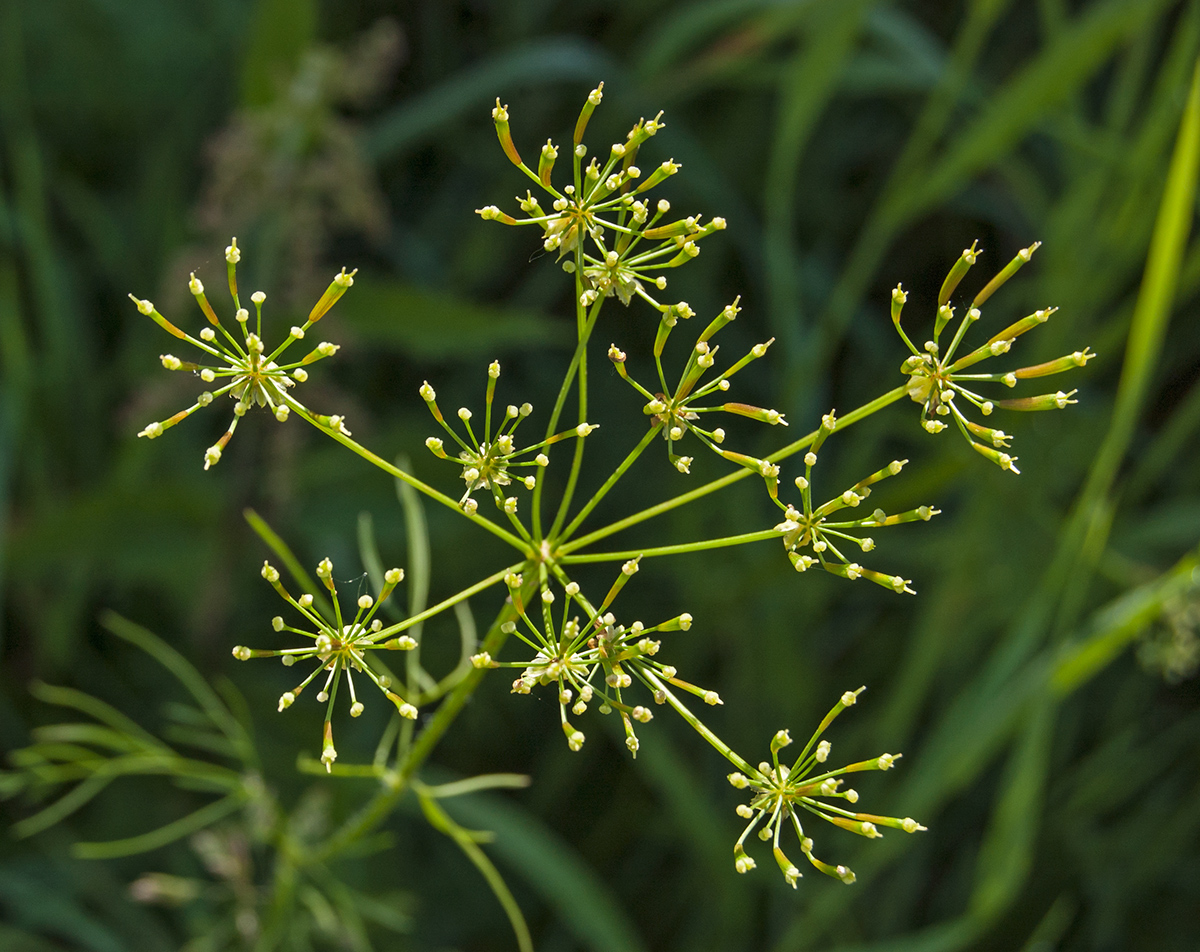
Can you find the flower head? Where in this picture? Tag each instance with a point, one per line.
(492, 460)
(937, 382)
(780, 793)
(604, 218)
(340, 647)
(596, 659)
(239, 363)
(825, 533)
(678, 412)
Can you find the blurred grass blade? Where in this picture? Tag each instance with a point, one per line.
(187, 675)
(546, 62)
(806, 86)
(285, 555)
(281, 32)
(1086, 534)
(441, 821)
(198, 820)
(1120, 623)
(105, 713)
(457, 788)
(416, 537)
(1006, 855)
(585, 904)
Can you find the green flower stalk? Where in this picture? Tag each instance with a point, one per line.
(936, 380)
(782, 794)
(811, 526)
(676, 412)
(339, 646)
(240, 362)
(570, 656)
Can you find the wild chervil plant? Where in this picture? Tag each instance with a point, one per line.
(618, 244)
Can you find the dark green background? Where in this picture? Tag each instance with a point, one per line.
(850, 145)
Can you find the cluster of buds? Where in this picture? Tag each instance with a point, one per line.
(781, 793)
(240, 362)
(569, 656)
(811, 526)
(487, 463)
(339, 646)
(936, 380)
(627, 247)
(677, 412)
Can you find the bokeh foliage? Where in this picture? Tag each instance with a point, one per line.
(850, 145)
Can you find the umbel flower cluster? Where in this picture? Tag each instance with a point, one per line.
(340, 645)
(615, 243)
(782, 794)
(568, 656)
(240, 362)
(937, 380)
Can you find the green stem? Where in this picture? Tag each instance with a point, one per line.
(443, 605)
(701, 546)
(577, 459)
(611, 481)
(416, 484)
(852, 417)
(681, 709)
(585, 333)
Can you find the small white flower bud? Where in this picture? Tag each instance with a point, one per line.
(712, 698)
(530, 482)
(744, 811)
(270, 573)
(365, 602)
(356, 709)
(286, 700)
(195, 286)
(584, 429)
(408, 711)
(464, 414)
(242, 653)
(822, 752)
(305, 600)
(470, 506)
(810, 459)
(282, 412)
(152, 430)
(630, 567)
(258, 297)
(510, 505)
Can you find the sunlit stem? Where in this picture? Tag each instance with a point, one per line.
(416, 484)
(585, 324)
(611, 481)
(681, 709)
(701, 546)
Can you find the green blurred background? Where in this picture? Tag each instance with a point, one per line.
(1041, 683)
